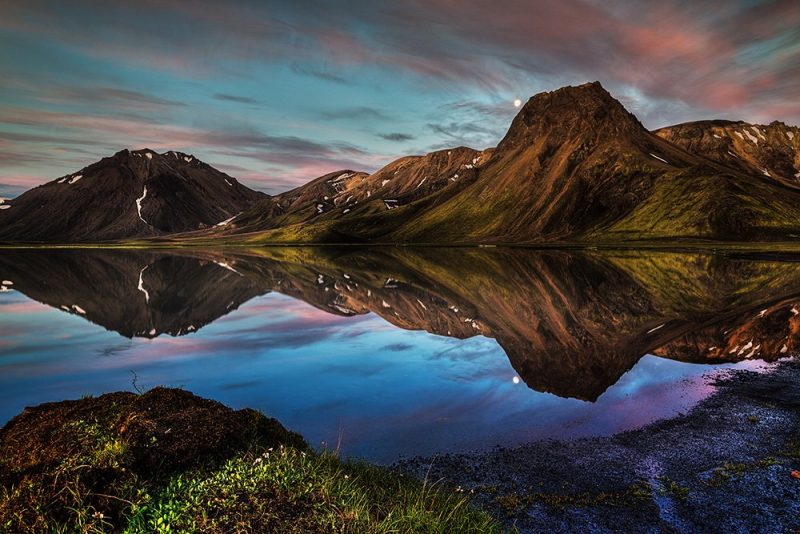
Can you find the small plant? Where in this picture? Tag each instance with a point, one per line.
(671, 487)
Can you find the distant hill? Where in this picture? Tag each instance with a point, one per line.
(128, 195)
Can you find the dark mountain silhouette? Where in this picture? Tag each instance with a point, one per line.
(134, 293)
(128, 195)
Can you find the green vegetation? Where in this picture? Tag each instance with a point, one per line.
(513, 503)
(672, 488)
(290, 490)
(167, 461)
(732, 470)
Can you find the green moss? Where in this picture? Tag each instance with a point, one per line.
(674, 489)
(733, 470)
(514, 503)
(288, 490)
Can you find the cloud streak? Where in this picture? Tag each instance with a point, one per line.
(285, 91)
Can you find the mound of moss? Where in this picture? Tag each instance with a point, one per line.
(169, 461)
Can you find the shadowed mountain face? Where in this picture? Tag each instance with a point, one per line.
(570, 323)
(128, 195)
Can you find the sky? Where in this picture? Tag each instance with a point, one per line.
(276, 93)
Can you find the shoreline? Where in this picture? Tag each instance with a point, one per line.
(725, 465)
(730, 463)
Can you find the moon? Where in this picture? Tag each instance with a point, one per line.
(517, 103)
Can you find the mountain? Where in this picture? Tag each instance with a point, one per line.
(574, 166)
(348, 195)
(771, 150)
(128, 195)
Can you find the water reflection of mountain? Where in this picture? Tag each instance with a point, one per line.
(571, 323)
(138, 294)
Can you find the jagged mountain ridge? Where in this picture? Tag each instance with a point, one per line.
(128, 195)
(348, 194)
(771, 150)
(574, 166)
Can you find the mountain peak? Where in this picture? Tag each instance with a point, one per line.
(582, 110)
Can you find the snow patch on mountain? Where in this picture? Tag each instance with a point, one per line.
(139, 205)
(226, 265)
(226, 221)
(752, 137)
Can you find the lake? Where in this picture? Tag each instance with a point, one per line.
(396, 351)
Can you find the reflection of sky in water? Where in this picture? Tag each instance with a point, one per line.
(381, 391)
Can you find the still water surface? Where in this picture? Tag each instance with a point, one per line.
(387, 353)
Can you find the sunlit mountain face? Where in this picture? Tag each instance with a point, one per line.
(441, 343)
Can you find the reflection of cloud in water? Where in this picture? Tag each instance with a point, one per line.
(418, 374)
(240, 385)
(115, 350)
(397, 347)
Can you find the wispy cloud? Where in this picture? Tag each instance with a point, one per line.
(399, 137)
(235, 98)
(282, 89)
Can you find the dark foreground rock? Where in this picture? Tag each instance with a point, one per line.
(725, 466)
(88, 452)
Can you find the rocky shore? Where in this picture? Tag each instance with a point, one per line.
(729, 465)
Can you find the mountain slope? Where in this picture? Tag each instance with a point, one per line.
(131, 194)
(575, 166)
(771, 150)
(324, 208)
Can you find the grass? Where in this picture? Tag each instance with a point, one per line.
(93, 471)
(286, 490)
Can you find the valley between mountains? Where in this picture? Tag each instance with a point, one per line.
(575, 167)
